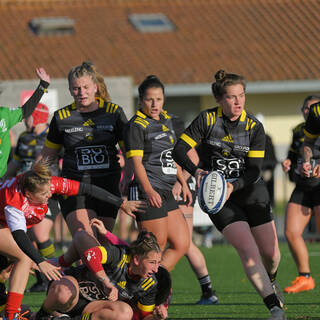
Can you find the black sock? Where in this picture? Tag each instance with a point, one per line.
(272, 276)
(206, 286)
(271, 301)
(305, 274)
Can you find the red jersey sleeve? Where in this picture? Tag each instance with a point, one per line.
(64, 186)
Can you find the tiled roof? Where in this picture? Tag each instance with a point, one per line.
(261, 39)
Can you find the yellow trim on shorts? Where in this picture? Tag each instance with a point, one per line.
(134, 153)
(104, 254)
(256, 154)
(188, 140)
(145, 308)
(2, 307)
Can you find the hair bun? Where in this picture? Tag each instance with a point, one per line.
(220, 75)
(152, 77)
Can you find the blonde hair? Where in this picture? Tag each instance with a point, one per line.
(87, 68)
(145, 243)
(33, 179)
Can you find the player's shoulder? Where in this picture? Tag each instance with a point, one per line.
(298, 128)
(139, 120)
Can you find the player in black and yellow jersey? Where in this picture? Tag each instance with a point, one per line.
(149, 141)
(232, 142)
(115, 282)
(89, 130)
(304, 201)
(312, 132)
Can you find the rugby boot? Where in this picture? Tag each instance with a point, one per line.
(277, 314)
(213, 299)
(300, 284)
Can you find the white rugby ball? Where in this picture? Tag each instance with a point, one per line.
(212, 192)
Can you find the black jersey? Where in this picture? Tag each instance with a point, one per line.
(153, 140)
(235, 148)
(295, 154)
(3, 296)
(89, 139)
(139, 293)
(312, 128)
(28, 148)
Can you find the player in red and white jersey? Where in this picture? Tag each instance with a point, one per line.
(23, 203)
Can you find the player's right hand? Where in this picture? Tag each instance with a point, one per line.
(50, 271)
(286, 165)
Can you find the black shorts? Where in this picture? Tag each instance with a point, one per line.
(102, 208)
(89, 289)
(168, 203)
(192, 187)
(307, 197)
(250, 204)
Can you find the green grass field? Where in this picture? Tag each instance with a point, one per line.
(237, 298)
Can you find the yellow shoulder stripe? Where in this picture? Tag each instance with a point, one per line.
(188, 140)
(256, 154)
(309, 135)
(111, 107)
(243, 115)
(165, 114)
(134, 153)
(140, 114)
(211, 118)
(52, 145)
(146, 308)
(64, 113)
(144, 123)
(250, 124)
(147, 284)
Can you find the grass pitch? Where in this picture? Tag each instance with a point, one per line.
(237, 298)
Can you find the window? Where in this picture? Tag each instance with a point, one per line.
(52, 26)
(153, 22)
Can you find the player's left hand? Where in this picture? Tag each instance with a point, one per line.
(176, 190)
(43, 75)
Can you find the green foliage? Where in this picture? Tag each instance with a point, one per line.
(237, 298)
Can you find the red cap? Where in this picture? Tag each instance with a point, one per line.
(40, 114)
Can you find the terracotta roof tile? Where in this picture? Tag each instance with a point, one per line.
(261, 39)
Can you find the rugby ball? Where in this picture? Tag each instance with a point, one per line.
(212, 192)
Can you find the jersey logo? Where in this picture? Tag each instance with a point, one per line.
(122, 284)
(164, 128)
(88, 123)
(33, 142)
(89, 136)
(227, 138)
(3, 125)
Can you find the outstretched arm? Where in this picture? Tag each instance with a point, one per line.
(33, 101)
